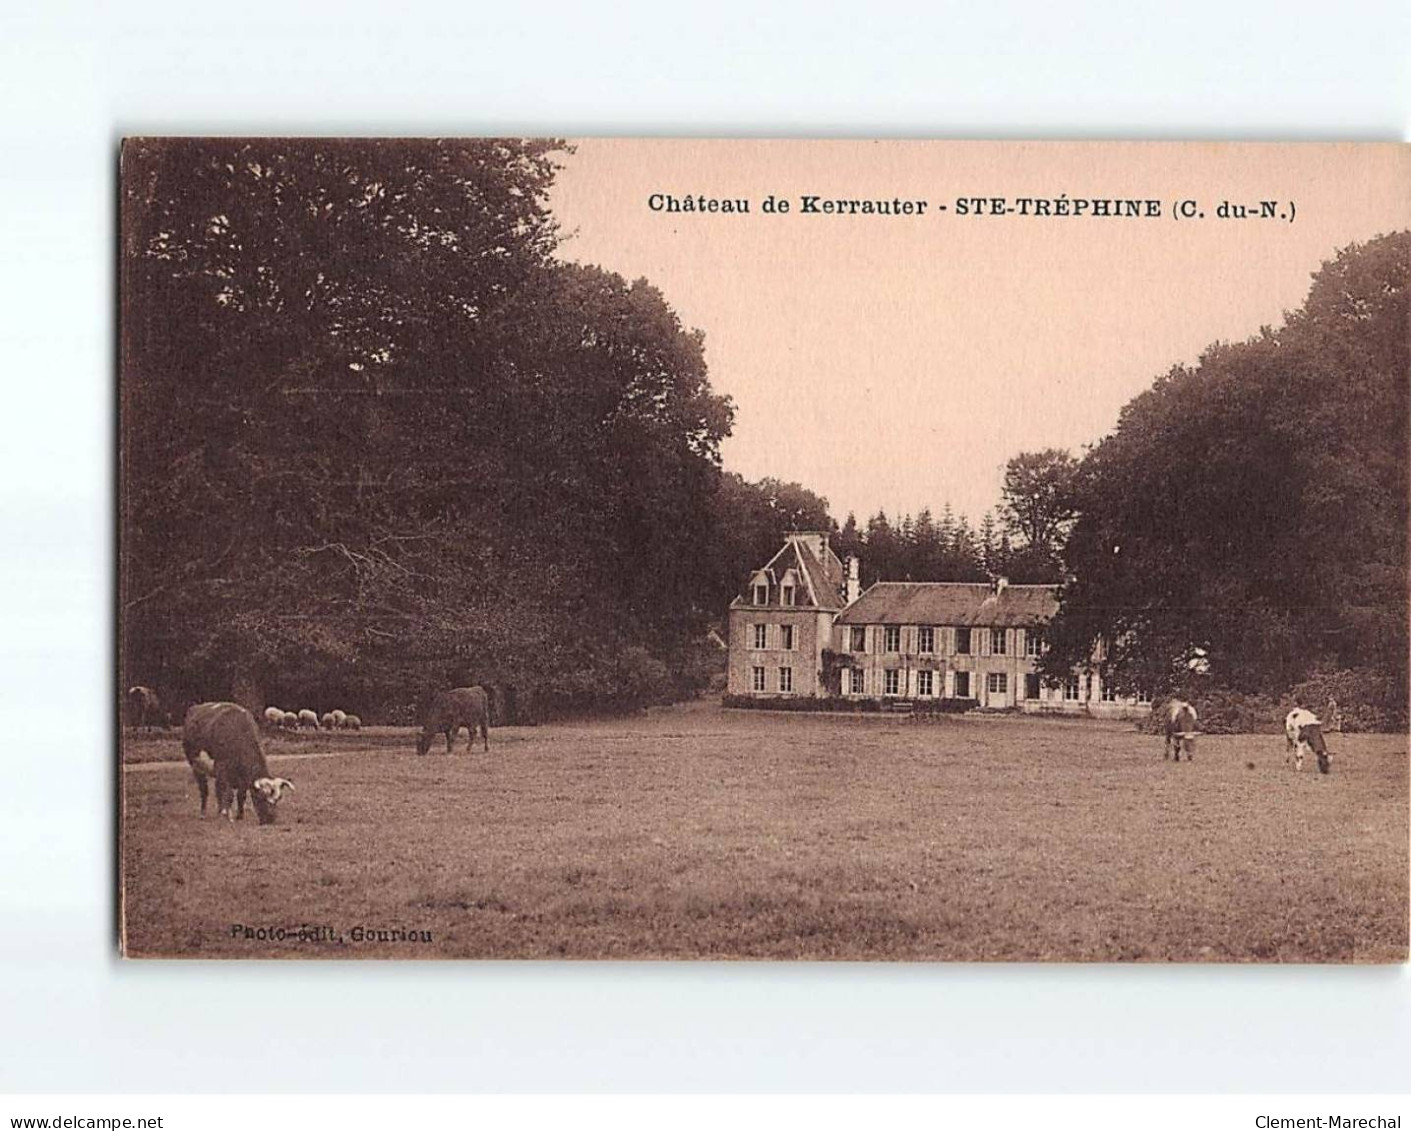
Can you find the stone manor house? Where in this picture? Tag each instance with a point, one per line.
(911, 640)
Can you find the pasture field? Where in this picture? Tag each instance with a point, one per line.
(697, 832)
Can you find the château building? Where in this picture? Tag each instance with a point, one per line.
(802, 627)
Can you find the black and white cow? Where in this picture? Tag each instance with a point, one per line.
(1303, 732)
(1181, 732)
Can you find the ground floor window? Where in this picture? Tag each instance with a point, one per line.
(1143, 696)
(998, 683)
(757, 679)
(1031, 687)
(786, 679)
(925, 683)
(1109, 693)
(1071, 690)
(891, 681)
(962, 685)
(859, 681)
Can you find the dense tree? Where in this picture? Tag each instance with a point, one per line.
(374, 434)
(1038, 509)
(1254, 507)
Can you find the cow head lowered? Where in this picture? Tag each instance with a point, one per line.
(1303, 731)
(265, 794)
(1181, 732)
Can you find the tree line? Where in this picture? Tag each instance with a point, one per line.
(377, 438)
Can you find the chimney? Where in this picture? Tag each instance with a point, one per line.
(853, 589)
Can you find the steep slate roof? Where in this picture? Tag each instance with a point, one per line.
(952, 602)
(820, 580)
(826, 575)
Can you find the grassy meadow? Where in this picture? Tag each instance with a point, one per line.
(697, 832)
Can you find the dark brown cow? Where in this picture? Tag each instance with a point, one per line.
(221, 741)
(467, 707)
(144, 709)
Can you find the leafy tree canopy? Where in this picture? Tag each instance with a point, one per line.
(1252, 508)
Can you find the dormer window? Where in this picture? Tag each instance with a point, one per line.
(788, 588)
(761, 594)
(786, 595)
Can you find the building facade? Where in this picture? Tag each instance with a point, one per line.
(901, 640)
(782, 622)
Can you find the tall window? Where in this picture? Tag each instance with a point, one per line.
(1031, 686)
(761, 594)
(962, 642)
(962, 685)
(1071, 690)
(757, 679)
(925, 683)
(925, 640)
(999, 639)
(786, 679)
(891, 682)
(891, 638)
(761, 636)
(786, 637)
(1109, 693)
(786, 595)
(999, 683)
(1033, 641)
(859, 681)
(859, 640)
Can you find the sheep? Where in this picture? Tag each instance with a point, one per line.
(274, 718)
(220, 740)
(291, 721)
(307, 718)
(326, 720)
(338, 717)
(352, 722)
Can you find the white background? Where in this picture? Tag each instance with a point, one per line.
(75, 77)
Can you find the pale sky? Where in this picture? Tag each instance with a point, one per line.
(898, 362)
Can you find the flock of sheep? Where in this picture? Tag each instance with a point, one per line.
(276, 719)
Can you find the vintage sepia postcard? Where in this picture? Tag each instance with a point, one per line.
(694, 549)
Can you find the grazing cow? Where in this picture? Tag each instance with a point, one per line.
(467, 707)
(274, 718)
(338, 717)
(290, 721)
(221, 741)
(1304, 732)
(144, 709)
(325, 720)
(1181, 733)
(307, 718)
(352, 722)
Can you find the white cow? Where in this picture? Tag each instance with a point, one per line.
(1181, 733)
(1303, 732)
